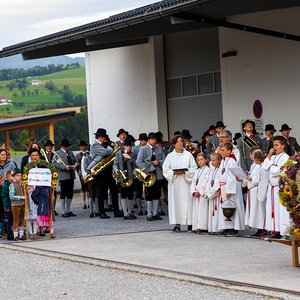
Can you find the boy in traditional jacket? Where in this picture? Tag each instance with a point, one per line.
(16, 195)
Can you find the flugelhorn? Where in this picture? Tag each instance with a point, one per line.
(122, 179)
(58, 159)
(147, 179)
(192, 150)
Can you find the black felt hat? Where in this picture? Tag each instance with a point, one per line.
(127, 142)
(122, 131)
(220, 124)
(159, 134)
(186, 134)
(152, 135)
(270, 127)
(237, 135)
(177, 132)
(206, 133)
(101, 132)
(285, 127)
(249, 121)
(83, 143)
(143, 136)
(211, 127)
(65, 143)
(49, 143)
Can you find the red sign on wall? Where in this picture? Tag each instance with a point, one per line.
(257, 109)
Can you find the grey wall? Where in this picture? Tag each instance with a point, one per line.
(193, 80)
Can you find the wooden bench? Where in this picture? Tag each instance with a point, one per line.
(295, 244)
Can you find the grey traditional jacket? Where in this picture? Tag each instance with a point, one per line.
(98, 152)
(246, 161)
(135, 150)
(292, 146)
(144, 160)
(63, 174)
(119, 163)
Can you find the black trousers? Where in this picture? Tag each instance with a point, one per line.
(138, 185)
(66, 188)
(154, 192)
(127, 192)
(105, 181)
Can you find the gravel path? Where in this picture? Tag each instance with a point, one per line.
(31, 276)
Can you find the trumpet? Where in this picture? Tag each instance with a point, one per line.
(121, 178)
(44, 154)
(58, 159)
(147, 179)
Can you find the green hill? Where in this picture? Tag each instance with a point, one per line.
(38, 95)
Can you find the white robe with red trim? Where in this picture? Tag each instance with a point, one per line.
(229, 185)
(212, 189)
(277, 217)
(200, 204)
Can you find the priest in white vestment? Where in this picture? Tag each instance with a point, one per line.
(179, 169)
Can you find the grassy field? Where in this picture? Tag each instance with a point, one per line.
(73, 78)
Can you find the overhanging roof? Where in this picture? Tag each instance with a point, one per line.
(135, 26)
(34, 121)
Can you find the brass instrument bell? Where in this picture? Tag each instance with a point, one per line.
(147, 179)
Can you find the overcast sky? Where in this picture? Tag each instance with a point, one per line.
(23, 20)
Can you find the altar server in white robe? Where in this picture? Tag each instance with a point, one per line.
(277, 217)
(213, 193)
(231, 190)
(255, 209)
(179, 169)
(198, 185)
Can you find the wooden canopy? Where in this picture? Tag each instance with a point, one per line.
(31, 122)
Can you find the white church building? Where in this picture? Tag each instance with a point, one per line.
(185, 64)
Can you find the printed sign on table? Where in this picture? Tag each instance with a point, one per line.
(39, 177)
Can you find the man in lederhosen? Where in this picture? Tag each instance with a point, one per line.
(66, 176)
(83, 152)
(151, 158)
(101, 148)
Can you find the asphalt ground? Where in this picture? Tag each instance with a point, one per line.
(121, 259)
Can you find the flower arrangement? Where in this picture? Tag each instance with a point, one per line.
(289, 196)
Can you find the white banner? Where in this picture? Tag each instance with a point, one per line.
(39, 177)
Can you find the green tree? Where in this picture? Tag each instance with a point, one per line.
(24, 135)
(36, 91)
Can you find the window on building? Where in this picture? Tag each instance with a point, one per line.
(174, 88)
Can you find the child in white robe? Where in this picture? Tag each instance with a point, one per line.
(212, 193)
(200, 203)
(277, 217)
(231, 190)
(255, 209)
(32, 216)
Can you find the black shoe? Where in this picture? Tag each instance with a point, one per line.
(71, 214)
(161, 213)
(97, 214)
(56, 213)
(157, 217)
(16, 239)
(65, 215)
(10, 238)
(22, 238)
(104, 216)
(140, 213)
(135, 206)
(91, 215)
(150, 218)
(118, 215)
(133, 216)
(84, 206)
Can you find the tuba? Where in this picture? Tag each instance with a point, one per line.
(102, 164)
(122, 179)
(147, 179)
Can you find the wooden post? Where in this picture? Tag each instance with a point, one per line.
(295, 254)
(51, 134)
(31, 132)
(6, 136)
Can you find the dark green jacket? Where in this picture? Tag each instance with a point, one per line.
(25, 160)
(5, 195)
